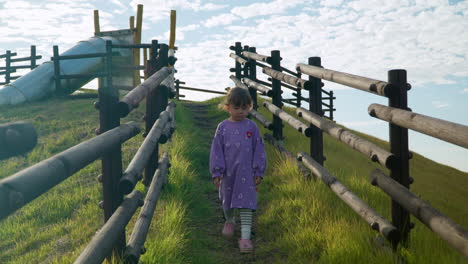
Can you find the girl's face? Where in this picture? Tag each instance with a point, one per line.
(238, 113)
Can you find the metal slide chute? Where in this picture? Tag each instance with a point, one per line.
(39, 83)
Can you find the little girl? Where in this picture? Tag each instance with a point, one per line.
(237, 164)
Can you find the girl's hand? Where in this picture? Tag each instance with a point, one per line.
(217, 181)
(258, 180)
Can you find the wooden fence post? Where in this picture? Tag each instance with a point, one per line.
(177, 86)
(7, 66)
(245, 70)
(151, 110)
(156, 102)
(399, 147)
(33, 57)
(253, 77)
(331, 105)
(111, 162)
(276, 98)
(315, 106)
(58, 86)
(238, 67)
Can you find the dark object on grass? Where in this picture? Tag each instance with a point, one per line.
(16, 138)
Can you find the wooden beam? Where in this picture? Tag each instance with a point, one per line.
(27, 184)
(374, 152)
(265, 122)
(298, 125)
(375, 220)
(97, 27)
(298, 82)
(134, 170)
(135, 96)
(438, 128)
(140, 230)
(252, 84)
(440, 224)
(100, 246)
(362, 83)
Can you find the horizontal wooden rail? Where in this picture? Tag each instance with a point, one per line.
(256, 56)
(25, 185)
(362, 83)
(374, 152)
(238, 59)
(135, 96)
(102, 243)
(376, 221)
(290, 72)
(132, 174)
(171, 108)
(132, 46)
(298, 82)
(301, 97)
(263, 82)
(9, 71)
(252, 84)
(265, 122)
(329, 93)
(84, 56)
(169, 128)
(26, 58)
(16, 67)
(140, 230)
(298, 125)
(285, 85)
(81, 76)
(238, 83)
(260, 64)
(438, 128)
(440, 224)
(169, 84)
(11, 55)
(200, 90)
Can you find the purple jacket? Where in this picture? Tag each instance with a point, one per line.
(238, 155)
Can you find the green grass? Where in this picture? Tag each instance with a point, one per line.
(298, 221)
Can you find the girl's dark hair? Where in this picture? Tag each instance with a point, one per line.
(237, 97)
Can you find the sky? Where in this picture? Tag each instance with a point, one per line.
(428, 38)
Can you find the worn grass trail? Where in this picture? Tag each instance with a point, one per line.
(208, 226)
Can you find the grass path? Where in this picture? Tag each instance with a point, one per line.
(208, 226)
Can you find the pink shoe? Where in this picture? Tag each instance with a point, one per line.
(246, 246)
(228, 229)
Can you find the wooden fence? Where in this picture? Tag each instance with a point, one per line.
(9, 68)
(26, 185)
(398, 115)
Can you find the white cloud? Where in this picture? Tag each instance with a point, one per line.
(439, 104)
(331, 2)
(211, 7)
(465, 90)
(220, 20)
(160, 10)
(262, 9)
(180, 33)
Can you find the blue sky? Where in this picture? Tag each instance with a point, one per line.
(428, 38)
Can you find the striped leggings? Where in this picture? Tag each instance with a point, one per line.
(246, 216)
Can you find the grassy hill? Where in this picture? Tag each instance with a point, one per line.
(298, 221)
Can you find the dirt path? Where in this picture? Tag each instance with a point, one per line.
(224, 250)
